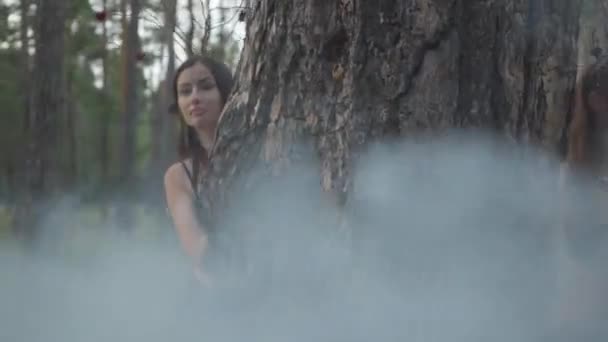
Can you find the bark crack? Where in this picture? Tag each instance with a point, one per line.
(432, 44)
(393, 120)
(528, 62)
(495, 106)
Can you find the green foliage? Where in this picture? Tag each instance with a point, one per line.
(4, 27)
(92, 107)
(7, 31)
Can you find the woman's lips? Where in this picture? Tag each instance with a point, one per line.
(198, 112)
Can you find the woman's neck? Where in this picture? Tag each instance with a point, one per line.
(206, 136)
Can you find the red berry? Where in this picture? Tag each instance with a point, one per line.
(101, 15)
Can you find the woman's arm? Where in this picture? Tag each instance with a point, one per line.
(180, 200)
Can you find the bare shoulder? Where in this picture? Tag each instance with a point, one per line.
(175, 177)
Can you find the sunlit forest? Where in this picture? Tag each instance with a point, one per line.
(390, 170)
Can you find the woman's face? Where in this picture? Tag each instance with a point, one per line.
(198, 97)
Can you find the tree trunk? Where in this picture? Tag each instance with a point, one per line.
(130, 92)
(346, 73)
(130, 112)
(336, 77)
(15, 179)
(104, 124)
(71, 176)
(162, 128)
(191, 30)
(24, 26)
(161, 124)
(47, 104)
(169, 135)
(207, 31)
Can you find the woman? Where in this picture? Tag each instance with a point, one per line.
(200, 89)
(583, 240)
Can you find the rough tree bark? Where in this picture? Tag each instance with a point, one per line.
(339, 76)
(345, 73)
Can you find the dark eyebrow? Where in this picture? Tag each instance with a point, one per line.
(203, 79)
(206, 78)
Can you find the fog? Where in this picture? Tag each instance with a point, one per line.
(452, 240)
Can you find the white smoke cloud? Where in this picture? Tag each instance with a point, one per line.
(447, 241)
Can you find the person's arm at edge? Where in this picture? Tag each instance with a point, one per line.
(179, 197)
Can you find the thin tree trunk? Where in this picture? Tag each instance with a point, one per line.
(161, 137)
(191, 30)
(161, 120)
(71, 176)
(157, 127)
(130, 111)
(15, 178)
(104, 124)
(24, 26)
(169, 135)
(47, 105)
(207, 33)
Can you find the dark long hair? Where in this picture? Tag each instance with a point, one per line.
(583, 134)
(188, 145)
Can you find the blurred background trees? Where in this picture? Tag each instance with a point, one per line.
(84, 88)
